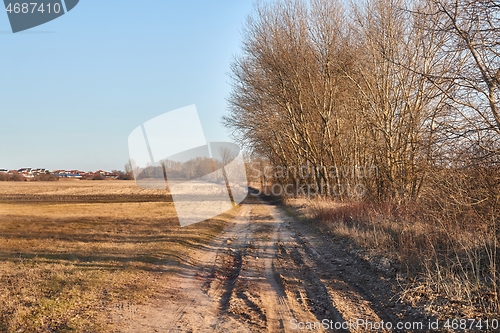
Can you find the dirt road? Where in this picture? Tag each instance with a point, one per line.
(268, 272)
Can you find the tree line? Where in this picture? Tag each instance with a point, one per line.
(410, 89)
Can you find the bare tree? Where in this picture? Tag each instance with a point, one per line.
(471, 31)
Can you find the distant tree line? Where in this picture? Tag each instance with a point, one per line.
(191, 169)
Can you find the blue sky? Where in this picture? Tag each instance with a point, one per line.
(73, 89)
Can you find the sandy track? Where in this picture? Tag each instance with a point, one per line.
(266, 273)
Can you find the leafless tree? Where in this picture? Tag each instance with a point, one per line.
(471, 33)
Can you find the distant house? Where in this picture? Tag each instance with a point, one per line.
(75, 174)
(26, 172)
(102, 173)
(39, 171)
(69, 173)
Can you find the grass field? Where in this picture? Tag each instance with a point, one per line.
(70, 251)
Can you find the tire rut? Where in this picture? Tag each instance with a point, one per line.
(270, 273)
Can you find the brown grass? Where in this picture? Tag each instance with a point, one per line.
(444, 264)
(63, 266)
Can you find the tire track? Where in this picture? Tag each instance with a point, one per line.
(268, 273)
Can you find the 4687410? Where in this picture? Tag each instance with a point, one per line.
(472, 324)
(33, 7)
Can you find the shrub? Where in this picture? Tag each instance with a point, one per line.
(97, 176)
(124, 175)
(12, 177)
(46, 178)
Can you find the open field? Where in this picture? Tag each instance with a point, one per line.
(77, 191)
(70, 251)
(76, 257)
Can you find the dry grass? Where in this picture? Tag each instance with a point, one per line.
(444, 264)
(74, 187)
(64, 265)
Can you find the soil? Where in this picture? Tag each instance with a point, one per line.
(272, 272)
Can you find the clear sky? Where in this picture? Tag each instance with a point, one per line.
(73, 89)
